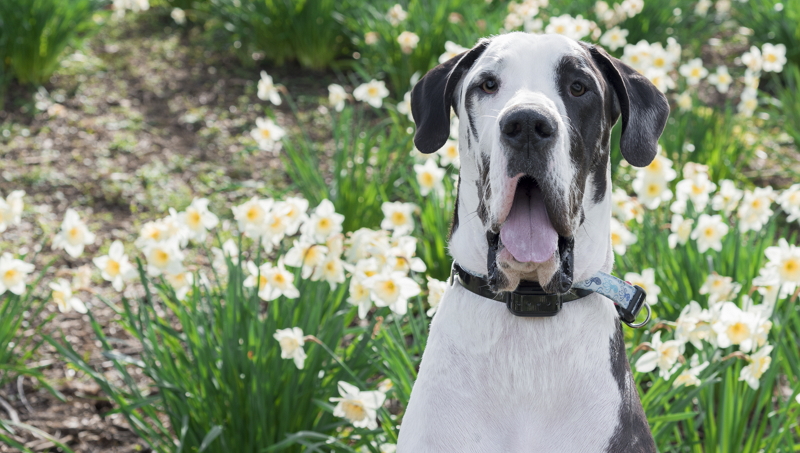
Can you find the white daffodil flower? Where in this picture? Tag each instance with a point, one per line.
(451, 50)
(436, 290)
(773, 57)
(404, 107)
(693, 71)
(13, 273)
(62, 296)
(727, 198)
(759, 364)
(789, 200)
(360, 408)
(448, 154)
(721, 79)
(181, 282)
(430, 177)
(164, 257)
(267, 133)
(292, 341)
(647, 281)
(733, 327)
(396, 15)
(198, 219)
(11, 209)
(359, 295)
(621, 237)
(690, 376)
(371, 92)
(709, 232)
(307, 255)
(693, 325)
(784, 261)
(719, 288)
(392, 289)
(323, 223)
(664, 355)
(681, 229)
(614, 38)
(403, 251)
(398, 217)
(336, 96)
(755, 210)
(267, 89)
(73, 236)
(252, 216)
(408, 41)
(115, 267)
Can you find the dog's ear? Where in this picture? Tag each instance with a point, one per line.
(432, 97)
(643, 107)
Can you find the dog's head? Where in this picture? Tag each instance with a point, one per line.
(536, 113)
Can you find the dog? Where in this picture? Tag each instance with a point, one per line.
(533, 205)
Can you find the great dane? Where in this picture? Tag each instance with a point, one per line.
(535, 118)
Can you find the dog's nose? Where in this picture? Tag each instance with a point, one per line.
(520, 128)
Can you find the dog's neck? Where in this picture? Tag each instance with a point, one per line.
(468, 245)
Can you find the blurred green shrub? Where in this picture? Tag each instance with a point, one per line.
(34, 34)
(284, 30)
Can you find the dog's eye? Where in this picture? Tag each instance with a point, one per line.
(577, 89)
(489, 86)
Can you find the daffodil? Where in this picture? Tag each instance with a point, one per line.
(360, 408)
(115, 266)
(62, 296)
(267, 89)
(74, 235)
(371, 92)
(291, 341)
(11, 209)
(663, 355)
(13, 273)
(709, 232)
(392, 289)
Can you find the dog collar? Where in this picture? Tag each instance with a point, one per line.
(531, 300)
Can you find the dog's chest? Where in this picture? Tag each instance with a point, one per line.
(492, 382)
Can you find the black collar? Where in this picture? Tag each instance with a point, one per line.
(529, 299)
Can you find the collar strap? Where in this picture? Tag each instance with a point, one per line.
(528, 300)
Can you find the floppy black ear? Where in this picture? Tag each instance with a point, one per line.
(643, 107)
(432, 97)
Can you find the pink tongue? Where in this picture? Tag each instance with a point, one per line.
(527, 232)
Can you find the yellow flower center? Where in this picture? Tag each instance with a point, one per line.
(616, 238)
(265, 133)
(74, 234)
(324, 223)
(426, 179)
(112, 268)
(194, 218)
(791, 265)
(253, 213)
(660, 62)
(398, 218)
(708, 232)
(354, 410)
(653, 189)
(10, 275)
(160, 257)
(372, 91)
(279, 279)
(771, 57)
(738, 332)
(262, 282)
(695, 72)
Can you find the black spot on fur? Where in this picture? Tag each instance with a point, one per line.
(454, 224)
(632, 434)
(497, 279)
(484, 190)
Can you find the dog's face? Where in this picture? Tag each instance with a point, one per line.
(536, 113)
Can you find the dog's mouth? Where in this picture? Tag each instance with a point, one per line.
(527, 232)
(527, 235)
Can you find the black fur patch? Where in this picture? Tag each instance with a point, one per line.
(497, 279)
(632, 434)
(454, 223)
(484, 190)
